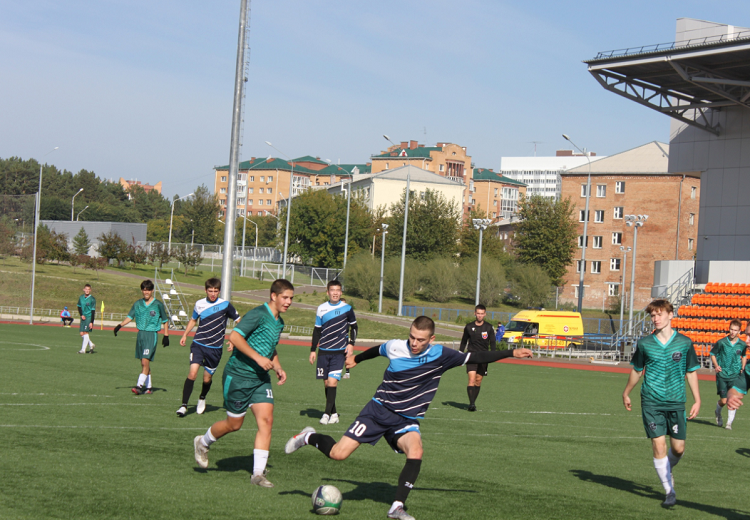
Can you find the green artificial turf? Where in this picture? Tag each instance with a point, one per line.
(545, 443)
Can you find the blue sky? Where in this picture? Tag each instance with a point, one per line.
(143, 89)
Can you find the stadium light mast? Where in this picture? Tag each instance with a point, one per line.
(288, 206)
(480, 224)
(403, 241)
(171, 218)
(636, 221)
(625, 251)
(36, 229)
(348, 204)
(384, 230)
(73, 204)
(585, 226)
(244, 224)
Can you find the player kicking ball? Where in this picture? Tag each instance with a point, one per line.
(208, 343)
(87, 310)
(409, 385)
(246, 382)
(149, 315)
(668, 359)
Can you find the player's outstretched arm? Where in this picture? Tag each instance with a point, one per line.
(277, 368)
(692, 379)
(241, 344)
(633, 378)
(490, 356)
(370, 353)
(189, 327)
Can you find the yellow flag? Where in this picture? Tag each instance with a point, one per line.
(101, 321)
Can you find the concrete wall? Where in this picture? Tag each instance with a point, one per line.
(128, 231)
(729, 272)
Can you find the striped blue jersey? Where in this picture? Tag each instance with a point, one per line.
(333, 321)
(411, 380)
(213, 321)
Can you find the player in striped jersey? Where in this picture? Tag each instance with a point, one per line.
(668, 359)
(331, 336)
(208, 343)
(728, 356)
(409, 385)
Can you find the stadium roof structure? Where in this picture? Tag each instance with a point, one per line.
(686, 80)
(483, 174)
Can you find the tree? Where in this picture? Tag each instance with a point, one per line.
(203, 208)
(157, 230)
(439, 280)
(96, 264)
(433, 226)
(392, 276)
(189, 256)
(531, 285)
(81, 242)
(53, 245)
(159, 253)
(492, 246)
(362, 276)
(546, 235)
(491, 280)
(7, 239)
(112, 246)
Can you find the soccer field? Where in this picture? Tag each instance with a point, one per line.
(545, 443)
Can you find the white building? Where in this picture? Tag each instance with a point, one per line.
(541, 174)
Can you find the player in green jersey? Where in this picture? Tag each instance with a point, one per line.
(737, 393)
(149, 315)
(727, 355)
(667, 358)
(246, 381)
(87, 310)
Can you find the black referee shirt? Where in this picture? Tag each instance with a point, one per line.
(479, 338)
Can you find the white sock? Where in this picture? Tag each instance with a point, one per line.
(148, 381)
(85, 342)
(141, 379)
(664, 473)
(673, 459)
(208, 439)
(731, 414)
(307, 437)
(394, 506)
(260, 458)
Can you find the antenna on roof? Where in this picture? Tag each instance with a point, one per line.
(536, 143)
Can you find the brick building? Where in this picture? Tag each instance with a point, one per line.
(636, 182)
(495, 194)
(126, 185)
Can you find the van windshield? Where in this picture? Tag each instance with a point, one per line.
(516, 326)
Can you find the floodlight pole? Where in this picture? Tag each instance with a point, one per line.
(480, 224)
(625, 251)
(585, 227)
(73, 204)
(383, 229)
(403, 241)
(636, 221)
(171, 219)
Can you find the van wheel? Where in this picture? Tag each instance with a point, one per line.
(572, 345)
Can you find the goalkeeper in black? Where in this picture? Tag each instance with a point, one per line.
(479, 336)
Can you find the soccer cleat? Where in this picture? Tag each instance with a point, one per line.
(670, 500)
(81, 351)
(201, 406)
(719, 421)
(91, 348)
(325, 419)
(261, 480)
(729, 426)
(182, 411)
(298, 440)
(346, 375)
(333, 419)
(201, 452)
(137, 390)
(472, 408)
(400, 514)
(148, 391)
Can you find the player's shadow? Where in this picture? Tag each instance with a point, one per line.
(745, 452)
(313, 413)
(703, 421)
(209, 408)
(649, 492)
(233, 464)
(454, 404)
(153, 389)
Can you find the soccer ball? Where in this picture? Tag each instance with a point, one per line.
(326, 500)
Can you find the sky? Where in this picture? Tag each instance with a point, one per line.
(144, 90)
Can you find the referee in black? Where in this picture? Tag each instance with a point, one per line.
(479, 336)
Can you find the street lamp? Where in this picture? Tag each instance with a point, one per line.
(79, 213)
(171, 218)
(636, 221)
(403, 241)
(192, 234)
(384, 230)
(72, 204)
(585, 226)
(36, 229)
(288, 205)
(625, 251)
(348, 204)
(255, 252)
(480, 224)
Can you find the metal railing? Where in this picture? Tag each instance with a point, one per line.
(55, 313)
(693, 42)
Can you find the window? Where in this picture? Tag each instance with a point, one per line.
(619, 212)
(575, 291)
(268, 202)
(614, 265)
(620, 187)
(617, 239)
(270, 190)
(441, 168)
(249, 202)
(690, 244)
(223, 202)
(581, 216)
(240, 211)
(495, 192)
(494, 202)
(222, 190)
(580, 263)
(260, 202)
(223, 178)
(250, 191)
(601, 190)
(270, 178)
(262, 178)
(599, 216)
(386, 167)
(261, 190)
(613, 290)
(494, 214)
(597, 242)
(596, 267)
(240, 202)
(692, 219)
(241, 176)
(580, 241)
(252, 178)
(693, 192)
(583, 190)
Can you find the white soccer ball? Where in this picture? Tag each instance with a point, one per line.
(326, 500)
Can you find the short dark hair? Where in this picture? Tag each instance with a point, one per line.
(147, 285)
(660, 305)
(736, 322)
(333, 283)
(88, 285)
(213, 283)
(424, 323)
(281, 285)
(480, 307)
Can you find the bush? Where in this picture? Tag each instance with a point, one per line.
(362, 276)
(392, 276)
(439, 280)
(531, 285)
(492, 280)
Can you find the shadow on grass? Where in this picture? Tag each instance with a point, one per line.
(703, 421)
(130, 389)
(233, 464)
(454, 404)
(745, 452)
(649, 492)
(312, 413)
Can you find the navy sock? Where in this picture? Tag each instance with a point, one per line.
(407, 478)
(186, 391)
(330, 400)
(323, 442)
(205, 389)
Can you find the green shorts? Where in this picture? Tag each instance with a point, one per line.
(145, 344)
(723, 385)
(742, 383)
(658, 423)
(83, 326)
(241, 392)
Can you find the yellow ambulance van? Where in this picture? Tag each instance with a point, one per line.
(546, 329)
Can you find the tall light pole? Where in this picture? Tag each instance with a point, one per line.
(36, 229)
(171, 219)
(288, 206)
(480, 224)
(625, 251)
(192, 233)
(244, 228)
(348, 205)
(73, 203)
(384, 230)
(79, 213)
(585, 227)
(636, 221)
(403, 241)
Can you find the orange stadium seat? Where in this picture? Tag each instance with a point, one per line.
(710, 287)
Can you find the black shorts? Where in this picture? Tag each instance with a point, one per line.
(376, 421)
(208, 357)
(480, 368)
(330, 365)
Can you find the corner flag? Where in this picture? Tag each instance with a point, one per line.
(101, 322)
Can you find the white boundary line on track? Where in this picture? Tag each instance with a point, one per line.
(42, 347)
(55, 395)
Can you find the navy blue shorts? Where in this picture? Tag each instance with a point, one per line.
(206, 356)
(376, 421)
(330, 365)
